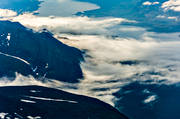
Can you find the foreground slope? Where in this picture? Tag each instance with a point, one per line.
(151, 101)
(40, 102)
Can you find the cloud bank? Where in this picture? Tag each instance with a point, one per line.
(7, 13)
(115, 55)
(172, 5)
(74, 25)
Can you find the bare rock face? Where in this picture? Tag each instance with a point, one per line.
(37, 54)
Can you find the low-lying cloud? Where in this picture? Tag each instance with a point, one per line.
(172, 5)
(7, 13)
(73, 25)
(115, 55)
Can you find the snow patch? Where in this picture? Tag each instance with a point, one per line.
(150, 99)
(27, 101)
(2, 115)
(50, 99)
(30, 117)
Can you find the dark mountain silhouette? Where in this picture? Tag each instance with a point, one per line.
(34, 101)
(165, 105)
(39, 54)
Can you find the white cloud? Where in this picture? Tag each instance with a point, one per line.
(161, 16)
(2, 115)
(147, 3)
(75, 25)
(172, 5)
(7, 13)
(98, 69)
(20, 80)
(158, 53)
(173, 18)
(155, 3)
(150, 3)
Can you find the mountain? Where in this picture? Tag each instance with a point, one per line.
(36, 53)
(46, 103)
(151, 101)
